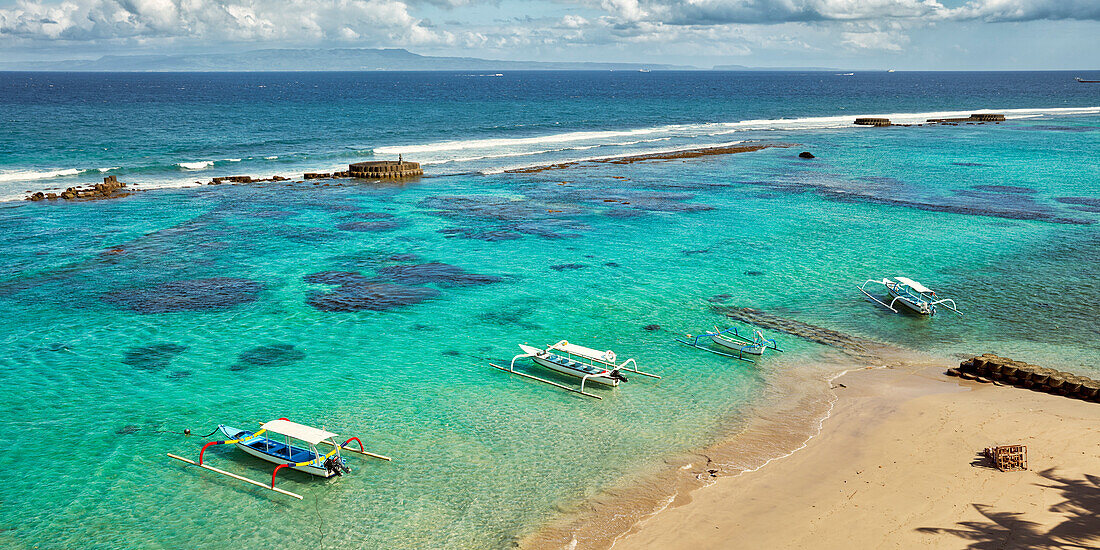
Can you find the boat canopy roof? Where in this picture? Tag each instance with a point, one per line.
(305, 433)
(584, 352)
(913, 284)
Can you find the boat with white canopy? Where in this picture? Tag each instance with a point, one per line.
(295, 449)
(732, 343)
(590, 365)
(911, 295)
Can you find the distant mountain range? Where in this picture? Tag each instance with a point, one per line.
(357, 59)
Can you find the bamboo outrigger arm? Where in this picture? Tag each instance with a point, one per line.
(863, 289)
(511, 369)
(344, 447)
(272, 487)
(695, 344)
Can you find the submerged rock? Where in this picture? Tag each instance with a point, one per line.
(806, 155)
(370, 215)
(381, 225)
(434, 272)
(651, 328)
(370, 297)
(273, 355)
(334, 278)
(152, 358)
(212, 293)
(1005, 189)
(563, 267)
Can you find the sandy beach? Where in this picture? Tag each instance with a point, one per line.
(897, 465)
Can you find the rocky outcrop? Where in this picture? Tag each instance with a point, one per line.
(109, 189)
(976, 117)
(806, 155)
(989, 367)
(244, 179)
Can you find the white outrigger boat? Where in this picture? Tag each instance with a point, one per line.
(911, 295)
(590, 365)
(731, 340)
(296, 450)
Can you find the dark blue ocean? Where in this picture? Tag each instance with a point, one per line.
(374, 309)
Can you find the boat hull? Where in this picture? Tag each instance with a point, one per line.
(736, 345)
(545, 361)
(275, 452)
(909, 305)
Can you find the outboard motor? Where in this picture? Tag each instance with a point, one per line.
(616, 375)
(335, 465)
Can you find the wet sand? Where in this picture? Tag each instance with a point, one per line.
(897, 465)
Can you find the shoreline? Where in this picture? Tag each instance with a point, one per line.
(896, 465)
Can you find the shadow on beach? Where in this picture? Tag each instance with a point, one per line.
(1079, 528)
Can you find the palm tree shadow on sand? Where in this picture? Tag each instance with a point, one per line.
(1079, 529)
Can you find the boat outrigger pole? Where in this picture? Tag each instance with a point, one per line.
(235, 476)
(512, 369)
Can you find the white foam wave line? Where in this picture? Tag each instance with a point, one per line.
(693, 147)
(515, 142)
(231, 160)
(23, 175)
(543, 151)
(718, 128)
(272, 157)
(198, 165)
(820, 425)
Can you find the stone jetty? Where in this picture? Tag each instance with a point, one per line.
(109, 189)
(989, 367)
(384, 170)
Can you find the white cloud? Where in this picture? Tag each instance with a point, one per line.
(387, 21)
(1029, 10)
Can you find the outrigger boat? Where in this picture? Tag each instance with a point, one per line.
(297, 450)
(911, 295)
(590, 365)
(732, 340)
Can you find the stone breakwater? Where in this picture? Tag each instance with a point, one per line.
(243, 179)
(662, 156)
(976, 118)
(989, 367)
(109, 189)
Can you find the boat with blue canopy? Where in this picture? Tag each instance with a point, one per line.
(911, 295)
(590, 365)
(288, 444)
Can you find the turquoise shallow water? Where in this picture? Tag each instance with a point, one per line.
(131, 320)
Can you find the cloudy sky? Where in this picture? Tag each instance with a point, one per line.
(858, 34)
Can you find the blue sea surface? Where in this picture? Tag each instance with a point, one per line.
(374, 309)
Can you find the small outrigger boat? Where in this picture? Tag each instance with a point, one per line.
(731, 341)
(297, 450)
(590, 365)
(911, 295)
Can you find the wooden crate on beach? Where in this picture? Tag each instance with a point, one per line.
(1008, 458)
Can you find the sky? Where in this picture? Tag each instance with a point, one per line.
(856, 34)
